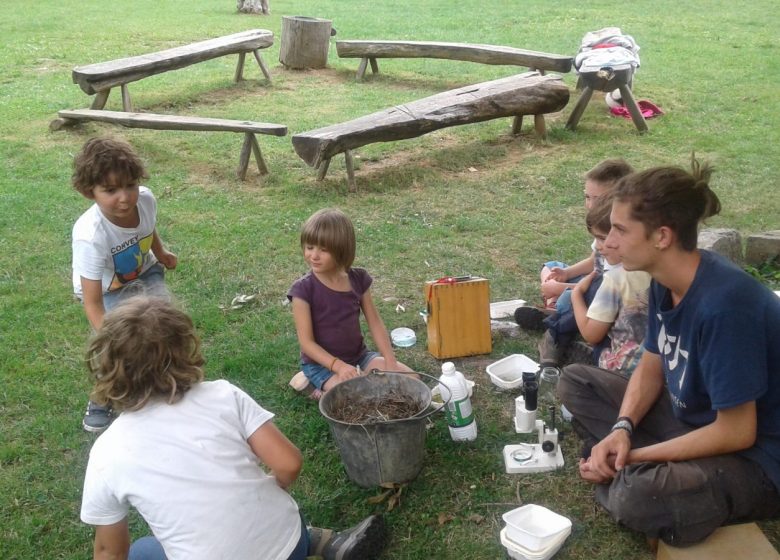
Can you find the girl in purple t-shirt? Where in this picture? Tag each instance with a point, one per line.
(327, 302)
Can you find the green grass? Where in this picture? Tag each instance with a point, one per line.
(420, 213)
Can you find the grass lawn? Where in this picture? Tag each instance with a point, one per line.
(468, 199)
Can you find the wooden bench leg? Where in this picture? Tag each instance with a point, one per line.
(240, 68)
(243, 160)
(263, 67)
(517, 125)
(261, 165)
(540, 127)
(323, 169)
(361, 71)
(350, 171)
(633, 108)
(374, 65)
(579, 108)
(100, 99)
(127, 106)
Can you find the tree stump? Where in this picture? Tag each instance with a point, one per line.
(252, 6)
(305, 42)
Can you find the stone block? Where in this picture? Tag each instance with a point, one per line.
(762, 247)
(726, 242)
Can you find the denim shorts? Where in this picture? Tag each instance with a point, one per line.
(318, 375)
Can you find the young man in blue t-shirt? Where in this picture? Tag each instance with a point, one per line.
(692, 441)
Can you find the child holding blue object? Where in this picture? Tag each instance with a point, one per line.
(327, 303)
(557, 279)
(117, 251)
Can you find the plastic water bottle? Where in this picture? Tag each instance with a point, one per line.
(460, 414)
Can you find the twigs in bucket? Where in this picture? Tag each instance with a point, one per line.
(392, 406)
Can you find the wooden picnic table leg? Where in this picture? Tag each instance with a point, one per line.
(261, 165)
(633, 108)
(262, 64)
(350, 171)
(539, 126)
(374, 65)
(100, 99)
(243, 160)
(240, 67)
(127, 106)
(323, 169)
(361, 71)
(517, 125)
(579, 108)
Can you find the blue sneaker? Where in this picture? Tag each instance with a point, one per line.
(97, 418)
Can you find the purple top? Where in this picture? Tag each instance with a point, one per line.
(335, 316)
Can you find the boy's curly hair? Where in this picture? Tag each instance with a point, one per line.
(100, 158)
(146, 349)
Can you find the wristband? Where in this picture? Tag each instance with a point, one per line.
(624, 423)
(333, 363)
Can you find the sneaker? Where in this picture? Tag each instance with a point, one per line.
(364, 541)
(97, 418)
(531, 318)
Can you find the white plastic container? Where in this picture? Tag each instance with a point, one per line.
(534, 527)
(504, 309)
(507, 373)
(459, 412)
(403, 337)
(518, 552)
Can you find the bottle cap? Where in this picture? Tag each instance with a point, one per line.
(448, 367)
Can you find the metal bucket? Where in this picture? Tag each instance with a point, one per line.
(383, 452)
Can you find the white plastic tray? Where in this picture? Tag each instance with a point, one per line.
(507, 373)
(504, 309)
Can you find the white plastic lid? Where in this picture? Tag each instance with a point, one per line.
(448, 368)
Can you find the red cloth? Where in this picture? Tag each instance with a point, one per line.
(647, 108)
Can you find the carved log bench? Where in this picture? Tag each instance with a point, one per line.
(98, 79)
(175, 122)
(523, 94)
(369, 51)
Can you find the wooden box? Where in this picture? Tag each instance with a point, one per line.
(458, 318)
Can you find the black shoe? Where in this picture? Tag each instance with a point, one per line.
(97, 418)
(364, 541)
(531, 318)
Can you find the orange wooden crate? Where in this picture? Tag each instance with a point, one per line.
(458, 318)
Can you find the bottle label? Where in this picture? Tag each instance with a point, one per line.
(459, 413)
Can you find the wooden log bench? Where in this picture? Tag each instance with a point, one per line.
(523, 94)
(370, 51)
(98, 79)
(175, 122)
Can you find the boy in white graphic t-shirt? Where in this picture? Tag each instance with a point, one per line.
(116, 249)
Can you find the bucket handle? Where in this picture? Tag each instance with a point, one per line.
(433, 409)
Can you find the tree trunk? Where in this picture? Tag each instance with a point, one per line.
(252, 6)
(305, 42)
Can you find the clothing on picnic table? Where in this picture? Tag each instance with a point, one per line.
(115, 255)
(622, 301)
(607, 47)
(189, 471)
(335, 316)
